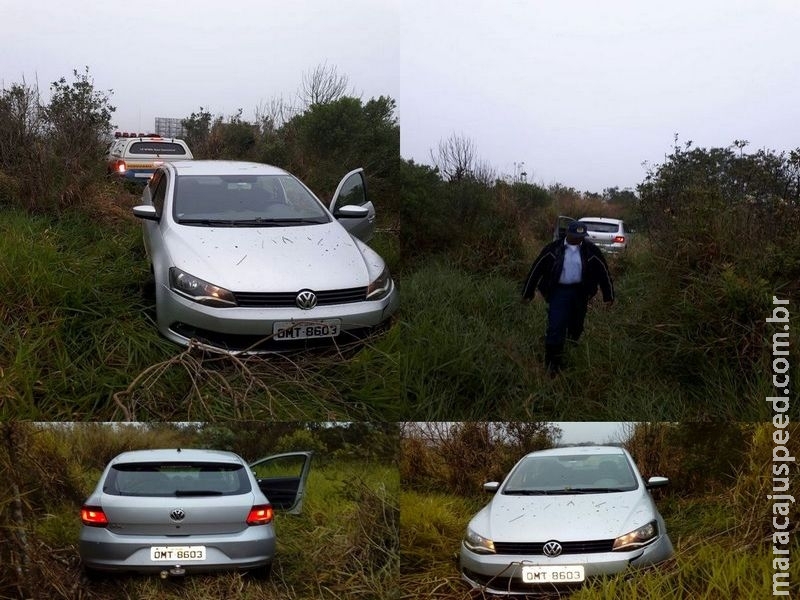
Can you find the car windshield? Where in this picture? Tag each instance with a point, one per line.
(176, 479)
(245, 201)
(571, 474)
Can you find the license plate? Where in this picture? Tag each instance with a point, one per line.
(177, 553)
(287, 330)
(553, 574)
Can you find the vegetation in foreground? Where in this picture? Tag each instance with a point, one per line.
(344, 544)
(715, 508)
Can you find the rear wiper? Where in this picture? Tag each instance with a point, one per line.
(183, 493)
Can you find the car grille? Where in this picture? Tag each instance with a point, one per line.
(287, 299)
(537, 548)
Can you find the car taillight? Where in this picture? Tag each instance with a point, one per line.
(260, 514)
(93, 516)
(620, 239)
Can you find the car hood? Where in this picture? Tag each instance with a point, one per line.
(273, 259)
(565, 518)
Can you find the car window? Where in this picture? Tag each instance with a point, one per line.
(600, 227)
(232, 199)
(282, 479)
(177, 479)
(157, 148)
(352, 193)
(160, 192)
(568, 473)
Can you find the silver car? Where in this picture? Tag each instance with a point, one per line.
(560, 517)
(245, 257)
(175, 511)
(609, 234)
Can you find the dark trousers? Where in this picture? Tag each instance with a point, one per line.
(566, 312)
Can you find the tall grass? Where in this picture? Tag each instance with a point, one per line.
(660, 353)
(79, 340)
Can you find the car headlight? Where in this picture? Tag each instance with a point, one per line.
(637, 538)
(477, 543)
(198, 290)
(380, 286)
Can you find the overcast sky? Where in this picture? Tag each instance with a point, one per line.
(580, 91)
(166, 59)
(575, 432)
(584, 91)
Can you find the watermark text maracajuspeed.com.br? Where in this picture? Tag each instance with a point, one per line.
(782, 460)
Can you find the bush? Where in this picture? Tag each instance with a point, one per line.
(53, 150)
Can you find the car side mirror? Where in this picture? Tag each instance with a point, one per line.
(491, 486)
(656, 482)
(351, 211)
(146, 212)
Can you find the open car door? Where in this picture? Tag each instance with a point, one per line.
(562, 222)
(282, 479)
(351, 207)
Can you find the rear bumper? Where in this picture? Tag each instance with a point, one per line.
(103, 550)
(138, 175)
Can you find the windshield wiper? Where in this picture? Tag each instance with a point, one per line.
(258, 221)
(593, 490)
(531, 492)
(209, 222)
(183, 493)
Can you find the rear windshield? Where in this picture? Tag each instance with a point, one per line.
(601, 227)
(157, 148)
(176, 479)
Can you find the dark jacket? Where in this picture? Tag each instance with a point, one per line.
(546, 270)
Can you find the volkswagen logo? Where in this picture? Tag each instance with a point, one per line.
(306, 299)
(552, 549)
(177, 514)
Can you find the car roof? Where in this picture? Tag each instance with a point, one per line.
(178, 454)
(149, 138)
(224, 167)
(578, 450)
(601, 219)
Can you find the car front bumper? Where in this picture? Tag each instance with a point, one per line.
(103, 550)
(239, 328)
(501, 574)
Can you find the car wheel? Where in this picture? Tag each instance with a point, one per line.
(93, 575)
(149, 290)
(262, 573)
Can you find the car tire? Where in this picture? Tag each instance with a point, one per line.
(262, 573)
(93, 575)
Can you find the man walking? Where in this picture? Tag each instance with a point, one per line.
(567, 273)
